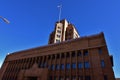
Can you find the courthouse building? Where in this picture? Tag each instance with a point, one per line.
(66, 57)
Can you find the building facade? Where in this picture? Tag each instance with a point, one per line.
(84, 58)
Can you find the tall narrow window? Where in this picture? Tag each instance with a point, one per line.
(73, 65)
(85, 52)
(62, 66)
(100, 51)
(80, 65)
(67, 78)
(50, 77)
(105, 77)
(52, 67)
(49, 57)
(73, 53)
(87, 78)
(80, 77)
(73, 77)
(67, 55)
(79, 53)
(102, 63)
(57, 67)
(62, 55)
(87, 65)
(53, 56)
(58, 56)
(67, 66)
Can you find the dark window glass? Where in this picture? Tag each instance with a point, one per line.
(62, 66)
(73, 53)
(53, 56)
(44, 58)
(80, 77)
(73, 66)
(43, 65)
(62, 55)
(85, 52)
(57, 41)
(105, 77)
(50, 77)
(59, 27)
(57, 67)
(79, 53)
(67, 66)
(52, 67)
(55, 78)
(58, 31)
(58, 56)
(67, 54)
(80, 65)
(67, 78)
(58, 35)
(73, 77)
(61, 78)
(102, 63)
(48, 57)
(87, 64)
(100, 51)
(87, 78)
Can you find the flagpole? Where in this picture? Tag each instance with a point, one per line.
(60, 7)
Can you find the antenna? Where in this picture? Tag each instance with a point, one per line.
(60, 7)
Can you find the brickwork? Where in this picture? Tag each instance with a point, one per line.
(84, 58)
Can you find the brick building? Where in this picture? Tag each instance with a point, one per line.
(73, 58)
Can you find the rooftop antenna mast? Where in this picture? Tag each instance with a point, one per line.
(60, 7)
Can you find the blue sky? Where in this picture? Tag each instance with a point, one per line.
(33, 20)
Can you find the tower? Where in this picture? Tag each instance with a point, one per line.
(63, 31)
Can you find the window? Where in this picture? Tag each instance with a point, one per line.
(80, 77)
(73, 53)
(43, 65)
(67, 78)
(80, 65)
(59, 27)
(67, 66)
(53, 56)
(87, 65)
(62, 55)
(73, 66)
(50, 77)
(57, 67)
(67, 54)
(48, 57)
(58, 31)
(62, 66)
(87, 78)
(100, 51)
(102, 63)
(61, 78)
(105, 77)
(85, 52)
(55, 78)
(57, 41)
(58, 36)
(58, 56)
(79, 53)
(52, 67)
(73, 78)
